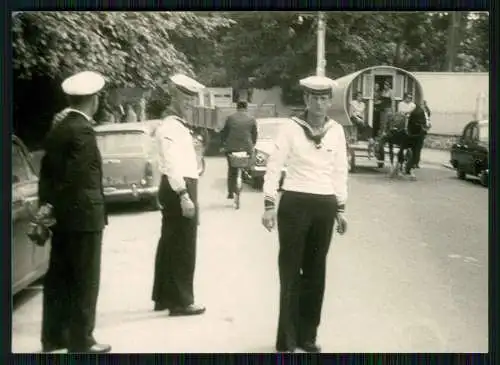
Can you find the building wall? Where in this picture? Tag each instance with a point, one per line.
(453, 98)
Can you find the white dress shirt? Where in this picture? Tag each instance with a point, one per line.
(176, 152)
(312, 170)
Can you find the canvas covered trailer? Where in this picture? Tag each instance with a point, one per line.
(364, 81)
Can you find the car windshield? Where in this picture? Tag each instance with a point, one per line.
(484, 133)
(268, 130)
(122, 143)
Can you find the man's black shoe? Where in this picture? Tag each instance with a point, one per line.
(48, 348)
(310, 347)
(190, 310)
(97, 348)
(230, 196)
(285, 349)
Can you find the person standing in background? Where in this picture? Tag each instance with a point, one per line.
(420, 142)
(376, 111)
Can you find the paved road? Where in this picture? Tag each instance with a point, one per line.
(409, 276)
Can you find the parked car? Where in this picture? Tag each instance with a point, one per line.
(30, 262)
(470, 155)
(267, 130)
(130, 161)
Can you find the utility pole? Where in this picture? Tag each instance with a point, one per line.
(320, 49)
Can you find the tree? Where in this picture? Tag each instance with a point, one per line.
(131, 49)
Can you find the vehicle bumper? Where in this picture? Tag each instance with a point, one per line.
(130, 194)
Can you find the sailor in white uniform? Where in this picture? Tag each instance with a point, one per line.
(176, 253)
(313, 148)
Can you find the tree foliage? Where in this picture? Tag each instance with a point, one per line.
(130, 48)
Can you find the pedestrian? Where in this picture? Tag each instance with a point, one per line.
(417, 122)
(176, 252)
(238, 135)
(71, 183)
(357, 112)
(420, 142)
(313, 147)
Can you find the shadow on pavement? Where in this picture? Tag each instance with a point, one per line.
(360, 169)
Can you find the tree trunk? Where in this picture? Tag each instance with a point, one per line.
(397, 54)
(452, 45)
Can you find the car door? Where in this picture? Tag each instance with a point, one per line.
(26, 258)
(470, 149)
(462, 157)
(476, 151)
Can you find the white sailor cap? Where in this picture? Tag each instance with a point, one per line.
(83, 83)
(318, 84)
(186, 84)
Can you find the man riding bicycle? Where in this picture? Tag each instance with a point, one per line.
(238, 135)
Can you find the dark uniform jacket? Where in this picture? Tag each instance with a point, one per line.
(239, 133)
(71, 176)
(417, 122)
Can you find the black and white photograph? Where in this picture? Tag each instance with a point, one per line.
(250, 181)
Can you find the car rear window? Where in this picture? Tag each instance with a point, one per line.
(484, 133)
(122, 143)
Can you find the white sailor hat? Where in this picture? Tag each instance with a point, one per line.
(186, 84)
(318, 84)
(83, 83)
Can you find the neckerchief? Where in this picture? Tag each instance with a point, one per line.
(315, 136)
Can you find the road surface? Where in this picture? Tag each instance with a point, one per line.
(411, 274)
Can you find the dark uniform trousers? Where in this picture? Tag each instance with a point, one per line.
(305, 227)
(71, 288)
(176, 253)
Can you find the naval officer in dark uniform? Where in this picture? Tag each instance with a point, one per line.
(313, 147)
(176, 252)
(71, 183)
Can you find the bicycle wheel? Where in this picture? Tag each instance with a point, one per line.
(237, 195)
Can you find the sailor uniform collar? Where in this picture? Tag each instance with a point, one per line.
(315, 136)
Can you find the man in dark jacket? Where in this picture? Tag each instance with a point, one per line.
(417, 122)
(420, 142)
(238, 135)
(71, 183)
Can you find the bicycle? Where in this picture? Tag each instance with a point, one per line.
(238, 160)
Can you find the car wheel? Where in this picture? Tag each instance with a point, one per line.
(483, 177)
(257, 183)
(460, 173)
